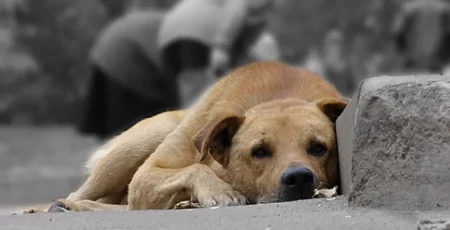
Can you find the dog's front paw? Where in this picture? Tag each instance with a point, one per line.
(221, 197)
(62, 206)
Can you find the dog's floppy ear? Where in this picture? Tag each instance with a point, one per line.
(332, 106)
(215, 138)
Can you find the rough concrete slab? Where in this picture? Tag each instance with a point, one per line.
(309, 214)
(394, 143)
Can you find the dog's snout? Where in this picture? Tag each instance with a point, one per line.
(297, 183)
(297, 177)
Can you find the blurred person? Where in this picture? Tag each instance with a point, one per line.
(313, 62)
(421, 32)
(126, 81)
(366, 62)
(336, 62)
(359, 54)
(200, 40)
(264, 49)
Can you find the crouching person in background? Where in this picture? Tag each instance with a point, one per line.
(126, 83)
(421, 33)
(200, 40)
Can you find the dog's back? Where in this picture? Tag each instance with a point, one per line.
(258, 83)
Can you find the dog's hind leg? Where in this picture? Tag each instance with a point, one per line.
(37, 209)
(112, 170)
(84, 206)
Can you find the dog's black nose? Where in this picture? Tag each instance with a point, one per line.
(295, 177)
(298, 183)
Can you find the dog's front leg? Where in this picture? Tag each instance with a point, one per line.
(158, 188)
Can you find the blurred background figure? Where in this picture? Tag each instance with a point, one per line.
(336, 62)
(332, 62)
(127, 83)
(422, 35)
(200, 40)
(313, 61)
(265, 48)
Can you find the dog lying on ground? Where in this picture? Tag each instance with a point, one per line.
(264, 133)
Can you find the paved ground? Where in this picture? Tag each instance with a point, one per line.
(38, 164)
(311, 214)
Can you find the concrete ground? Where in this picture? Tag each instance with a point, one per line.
(310, 214)
(40, 164)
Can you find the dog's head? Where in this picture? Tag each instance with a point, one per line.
(277, 151)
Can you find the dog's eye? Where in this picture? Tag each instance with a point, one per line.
(261, 152)
(317, 149)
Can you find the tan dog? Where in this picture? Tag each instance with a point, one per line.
(264, 133)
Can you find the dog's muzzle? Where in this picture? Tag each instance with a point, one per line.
(297, 183)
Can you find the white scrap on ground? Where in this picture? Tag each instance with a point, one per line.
(325, 193)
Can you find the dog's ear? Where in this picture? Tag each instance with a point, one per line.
(332, 106)
(215, 138)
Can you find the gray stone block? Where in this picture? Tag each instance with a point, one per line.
(394, 143)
